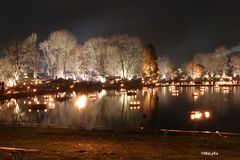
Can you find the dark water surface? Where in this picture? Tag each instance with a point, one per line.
(160, 108)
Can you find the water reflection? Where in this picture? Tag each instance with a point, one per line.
(149, 108)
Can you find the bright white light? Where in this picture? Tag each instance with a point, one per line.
(11, 83)
(81, 102)
(207, 114)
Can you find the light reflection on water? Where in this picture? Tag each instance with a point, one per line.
(158, 108)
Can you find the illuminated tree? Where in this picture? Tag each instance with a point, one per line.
(213, 63)
(128, 49)
(56, 50)
(219, 60)
(235, 64)
(193, 69)
(7, 70)
(97, 47)
(204, 61)
(82, 62)
(165, 67)
(30, 50)
(23, 55)
(150, 67)
(114, 68)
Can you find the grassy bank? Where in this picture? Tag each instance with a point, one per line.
(78, 144)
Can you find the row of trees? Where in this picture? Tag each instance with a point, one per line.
(221, 62)
(62, 56)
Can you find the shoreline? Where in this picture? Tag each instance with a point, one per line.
(81, 144)
(23, 94)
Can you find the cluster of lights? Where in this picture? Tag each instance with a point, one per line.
(131, 92)
(93, 96)
(135, 105)
(138, 107)
(195, 94)
(175, 92)
(197, 115)
(51, 105)
(225, 89)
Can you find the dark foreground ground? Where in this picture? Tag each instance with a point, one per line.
(65, 144)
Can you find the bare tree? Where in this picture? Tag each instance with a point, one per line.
(129, 51)
(23, 55)
(165, 67)
(219, 60)
(81, 62)
(97, 47)
(235, 64)
(193, 69)
(56, 50)
(7, 70)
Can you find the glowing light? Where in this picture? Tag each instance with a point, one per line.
(11, 83)
(81, 102)
(93, 96)
(45, 110)
(195, 94)
(50, 99)
(29, 110)
(102, 93)
(197, 115)
(207, 114)
(135, 105)
(123, 90)
(131, 92)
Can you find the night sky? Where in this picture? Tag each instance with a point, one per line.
(176, 28)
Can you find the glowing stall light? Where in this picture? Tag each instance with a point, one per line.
(81, 102)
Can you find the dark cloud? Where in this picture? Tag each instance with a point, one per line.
(176, 28)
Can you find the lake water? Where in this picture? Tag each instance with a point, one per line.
(159, 108)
